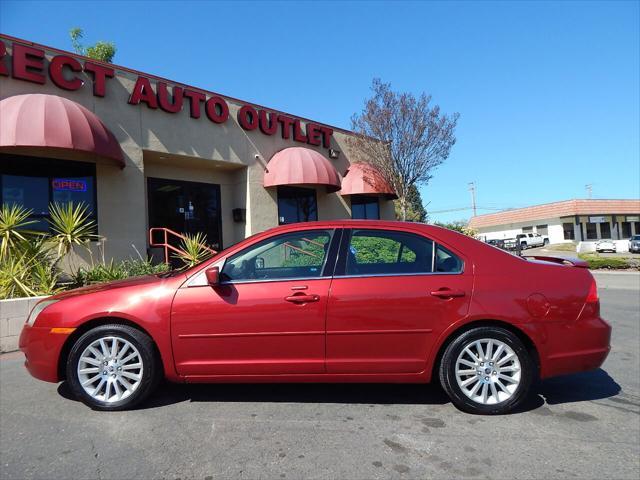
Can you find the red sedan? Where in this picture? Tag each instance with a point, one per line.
(342, 301)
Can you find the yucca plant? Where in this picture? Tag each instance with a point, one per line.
(45, 279)
(13, 220)
(29, 270)
(15, 276)
(194, 249)
(70, 226)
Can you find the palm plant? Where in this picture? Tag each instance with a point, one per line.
(194, 249)
(70, 226)
(13, 220)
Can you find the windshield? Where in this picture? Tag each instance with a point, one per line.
(635, 237)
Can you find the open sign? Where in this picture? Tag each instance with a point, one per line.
(68, 184)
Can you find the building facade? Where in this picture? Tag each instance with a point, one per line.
(142, 151)
(567, 221)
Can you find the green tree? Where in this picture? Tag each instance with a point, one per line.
(461, 226)
(415, 208)
(103, 51)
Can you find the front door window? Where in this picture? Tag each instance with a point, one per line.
(288, 256)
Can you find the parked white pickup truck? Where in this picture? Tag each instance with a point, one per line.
(526, 240)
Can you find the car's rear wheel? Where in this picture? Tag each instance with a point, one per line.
(486, 370)
(113, 367)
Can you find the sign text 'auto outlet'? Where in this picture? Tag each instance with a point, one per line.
(29, 64)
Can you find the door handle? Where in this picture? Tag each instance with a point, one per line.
(447, 293)
(302, 298)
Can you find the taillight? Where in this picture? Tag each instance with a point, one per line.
(592, 296)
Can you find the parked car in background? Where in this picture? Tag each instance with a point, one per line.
(634, 244)
(606, 246)
(337, 301)
(496, 243)
(530, 240)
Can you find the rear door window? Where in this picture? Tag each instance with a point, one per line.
(386, 252)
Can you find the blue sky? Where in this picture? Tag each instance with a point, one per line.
(548, 92)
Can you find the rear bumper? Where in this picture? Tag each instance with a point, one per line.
(582, 346)
(42, 351)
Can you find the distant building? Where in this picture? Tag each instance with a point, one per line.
(567, 221)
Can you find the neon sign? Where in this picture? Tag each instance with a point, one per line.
(69, 185)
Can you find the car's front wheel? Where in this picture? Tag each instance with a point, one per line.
(113, 367)
(486, 370)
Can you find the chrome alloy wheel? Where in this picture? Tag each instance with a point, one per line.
(488, 371)
(110, 369)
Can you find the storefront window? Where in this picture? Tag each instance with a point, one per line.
(592, 232)
(296, 205)
(34, 183)
(636, 225)
(364, 207)
(626, 229)
(542, 229)
(569, 232)
(605, 230)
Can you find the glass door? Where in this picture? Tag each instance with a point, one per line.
(186, 207)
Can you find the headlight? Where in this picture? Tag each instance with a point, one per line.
(37, 310)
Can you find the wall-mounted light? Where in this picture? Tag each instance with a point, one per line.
(333, 153)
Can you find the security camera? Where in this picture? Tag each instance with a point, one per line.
(257, 156)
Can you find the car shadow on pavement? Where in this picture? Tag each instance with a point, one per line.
(579, 387)
(585, 386)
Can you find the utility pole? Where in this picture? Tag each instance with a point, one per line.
(589, 188)
(472, 189)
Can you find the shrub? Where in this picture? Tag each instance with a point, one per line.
(595, 261)
(106, 272)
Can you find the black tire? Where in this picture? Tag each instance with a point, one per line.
(151, 371)
(455, 392)
(545, 242)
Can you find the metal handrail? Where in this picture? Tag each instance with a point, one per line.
(167, 246)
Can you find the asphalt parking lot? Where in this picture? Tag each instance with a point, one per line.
(579, 426)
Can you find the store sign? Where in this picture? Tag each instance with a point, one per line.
(70, 185)
(29, 64)
(633, 219)
(597, 219)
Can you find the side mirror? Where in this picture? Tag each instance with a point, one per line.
(213, 276)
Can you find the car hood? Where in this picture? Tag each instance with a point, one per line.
(101, 287)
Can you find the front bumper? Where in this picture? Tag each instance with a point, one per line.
(42, 349)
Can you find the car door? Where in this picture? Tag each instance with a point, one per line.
(392, 293)
(267, 315)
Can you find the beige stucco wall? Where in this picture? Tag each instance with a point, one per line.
(196, 149)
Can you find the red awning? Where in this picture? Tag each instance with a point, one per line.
(363, 179)
(301, 166)
(38, 120)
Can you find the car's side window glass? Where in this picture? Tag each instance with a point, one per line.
(376, 252)
(447, 262)
(291, 255)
